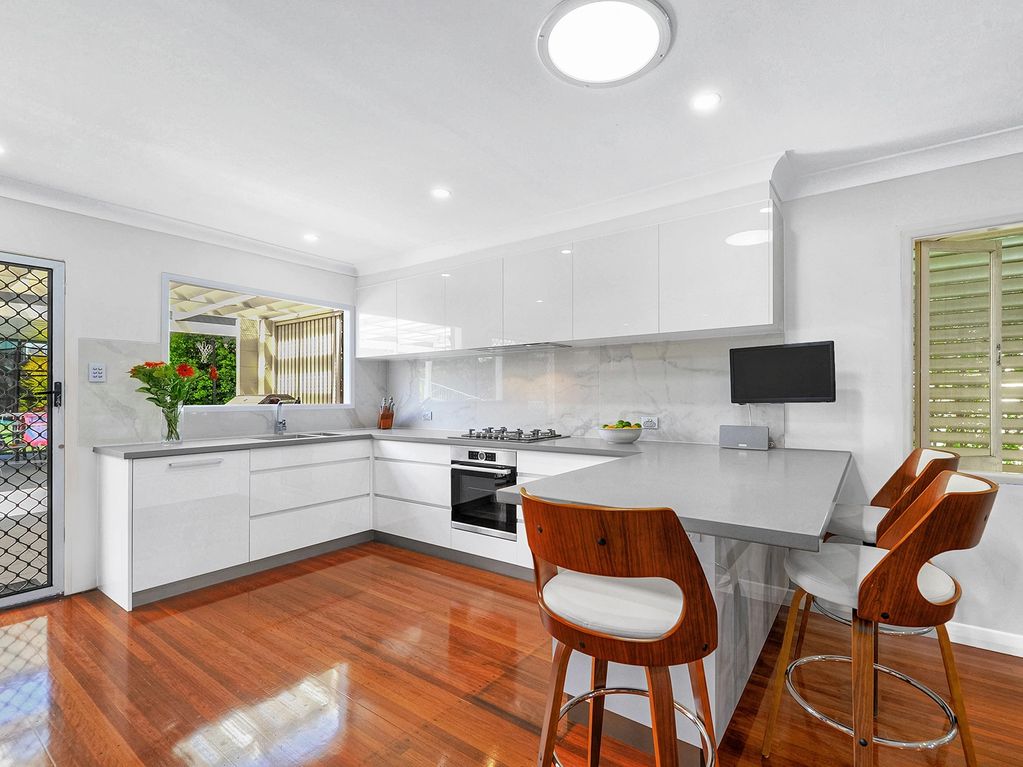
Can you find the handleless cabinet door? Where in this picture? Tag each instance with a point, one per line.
(473, 304)
(190, 516)
(706, 282)
(377, 323)
(538, 296)
(420, 309)
(614, 285)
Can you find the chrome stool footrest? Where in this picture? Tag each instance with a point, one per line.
(882, 628)
(923, 745)
(709, 749)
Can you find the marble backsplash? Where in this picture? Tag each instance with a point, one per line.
(114, 413)
(576, 390)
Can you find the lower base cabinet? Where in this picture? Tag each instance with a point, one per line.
(282, 531)
(512, 552)
(428, 524)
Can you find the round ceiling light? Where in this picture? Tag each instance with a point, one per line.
(440, 193)
(600, 43)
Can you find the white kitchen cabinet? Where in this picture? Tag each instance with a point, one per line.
(420, 452)
(421, 326)
(614, 285)
(428, 524)
(376, 324)
(275, 490)
(708, 284)
(190, 516)
(511, 552)
(293, 529)
(473, 304)
(538, 296)
(417, 482)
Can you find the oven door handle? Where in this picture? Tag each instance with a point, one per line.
(484, 469)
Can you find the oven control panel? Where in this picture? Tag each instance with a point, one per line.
(482, 455)
(492, 457)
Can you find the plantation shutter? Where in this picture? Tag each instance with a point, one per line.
(308, 362)
(959, 348)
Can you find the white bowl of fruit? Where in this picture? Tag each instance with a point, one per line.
(621, 432)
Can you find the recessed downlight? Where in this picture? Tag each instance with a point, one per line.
(445, 274)
(311, 237)
(600, 43)
(539, 300)
(705, 101)
(749, 237)
(2, 150)
(766, 210)
(440, 193)
(565, 251)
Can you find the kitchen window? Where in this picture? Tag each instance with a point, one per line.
(252, 347)
(969, 347)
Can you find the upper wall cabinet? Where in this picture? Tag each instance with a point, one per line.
(420, 310)
(718, 270)
(472, 304)
(538, 296)
(614, 281)
(377, 323)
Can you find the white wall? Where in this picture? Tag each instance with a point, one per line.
(114, 292)
(848, 277)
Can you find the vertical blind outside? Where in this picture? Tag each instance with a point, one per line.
(973, 354)
(308, 361)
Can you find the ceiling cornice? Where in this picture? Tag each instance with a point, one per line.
(987, 146)
(25, 191)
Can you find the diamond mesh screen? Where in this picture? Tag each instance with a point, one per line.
(24, 433)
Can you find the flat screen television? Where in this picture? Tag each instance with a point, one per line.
(783, 373)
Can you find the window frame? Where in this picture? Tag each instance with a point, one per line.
(347, 347)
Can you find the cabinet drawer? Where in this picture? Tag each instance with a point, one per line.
(413, 482)
(156, 481)
(288, 488)
(303, 455)
(512, 552)
(428, 524)
(297, 528)
(424, 452)
(190, 516)
(549, 464)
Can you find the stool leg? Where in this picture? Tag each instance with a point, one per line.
(802, 626)
(876, 635)
(698, 680)
(598, 678)
(779, 670)
(662, 716)
(956, 688)
(863, 691)
(555, 693)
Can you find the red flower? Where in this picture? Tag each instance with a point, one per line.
(214, 375)
(185, 370)
(153, 364)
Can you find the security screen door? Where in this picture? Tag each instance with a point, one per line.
(31, 429)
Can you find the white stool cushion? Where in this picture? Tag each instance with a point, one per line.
(856, 522)
(835, 572)
(630, 608)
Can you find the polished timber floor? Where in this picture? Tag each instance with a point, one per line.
(378, 656)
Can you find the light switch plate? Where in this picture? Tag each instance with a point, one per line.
(97, 372)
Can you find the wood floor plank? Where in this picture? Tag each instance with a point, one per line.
(379, 656)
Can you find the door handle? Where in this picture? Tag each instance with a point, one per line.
(190, 464)
(57, 392)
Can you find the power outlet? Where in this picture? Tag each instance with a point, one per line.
(427, 415)
(648, 422)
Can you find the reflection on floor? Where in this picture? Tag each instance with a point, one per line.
(369, 656)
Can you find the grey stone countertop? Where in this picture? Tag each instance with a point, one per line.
(780, 497)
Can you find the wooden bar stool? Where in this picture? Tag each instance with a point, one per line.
(865, 523)
(622, 586)
(851, 522)
(893, 583)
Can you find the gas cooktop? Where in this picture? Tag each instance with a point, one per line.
(504, 434)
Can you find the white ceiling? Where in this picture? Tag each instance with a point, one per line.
(271, 118)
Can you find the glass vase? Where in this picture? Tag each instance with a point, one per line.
(172, 424)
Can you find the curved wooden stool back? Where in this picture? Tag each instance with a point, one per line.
(623, 543)
(905, 485)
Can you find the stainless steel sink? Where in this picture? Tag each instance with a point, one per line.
(284, 436)
(324, 433)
